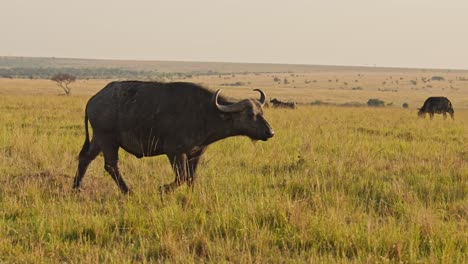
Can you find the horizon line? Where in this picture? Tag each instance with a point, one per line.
(375, 66)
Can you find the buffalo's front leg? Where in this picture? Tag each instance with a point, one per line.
(179, 163)
(193, 161)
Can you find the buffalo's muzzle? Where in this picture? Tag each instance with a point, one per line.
(269, 134)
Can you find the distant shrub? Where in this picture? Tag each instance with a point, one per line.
(233, 84)
(375, 103)
(438, 78)
(352, 104)
(316, 102)
(405, 105)
(388, 90)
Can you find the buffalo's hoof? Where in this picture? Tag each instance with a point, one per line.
(166, 188)
(128, 192)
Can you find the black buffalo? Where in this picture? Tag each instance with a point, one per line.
(436, 105)
(176, 119)
(277, 103)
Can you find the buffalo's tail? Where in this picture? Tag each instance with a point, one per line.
(85, 147)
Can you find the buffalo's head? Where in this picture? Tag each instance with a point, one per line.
(247, 116)
(421, 112)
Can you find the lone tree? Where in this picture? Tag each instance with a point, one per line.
(63, 80)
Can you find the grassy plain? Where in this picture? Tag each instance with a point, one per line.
(335, 184)
(354, 85)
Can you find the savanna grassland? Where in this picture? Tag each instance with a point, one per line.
(335, 184)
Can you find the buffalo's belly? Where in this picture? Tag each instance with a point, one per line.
(438, 109)
(141, 146)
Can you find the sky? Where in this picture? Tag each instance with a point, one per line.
(391, 33)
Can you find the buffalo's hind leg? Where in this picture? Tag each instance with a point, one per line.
(110, 150)
(86, 156)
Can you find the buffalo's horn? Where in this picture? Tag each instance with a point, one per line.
(237, 107)
(262, 96)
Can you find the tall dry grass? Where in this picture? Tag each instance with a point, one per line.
(335, 184)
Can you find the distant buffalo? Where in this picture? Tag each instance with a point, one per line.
(436, 105)
(177, 119)
(277, 103)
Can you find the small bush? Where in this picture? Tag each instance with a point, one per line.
(352, 104)
(405, 105)
(438, 78)
(233, 84)
(375, 103)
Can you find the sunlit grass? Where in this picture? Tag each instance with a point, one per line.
(334, 184)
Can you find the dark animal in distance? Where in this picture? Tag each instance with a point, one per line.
(277, 103)
(177, 119)
(436, 105)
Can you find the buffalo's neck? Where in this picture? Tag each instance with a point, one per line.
(221, 129)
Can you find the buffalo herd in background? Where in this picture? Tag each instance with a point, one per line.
(432, 105)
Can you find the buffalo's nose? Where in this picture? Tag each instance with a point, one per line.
(270, 133)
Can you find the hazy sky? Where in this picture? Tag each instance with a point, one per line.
(398, 33)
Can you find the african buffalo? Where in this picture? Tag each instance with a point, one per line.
(177, 119)
(277, 103)
(436, 105)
